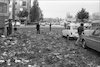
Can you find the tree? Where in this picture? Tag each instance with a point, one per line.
(82, 15)
(35, 12)
(23, 13)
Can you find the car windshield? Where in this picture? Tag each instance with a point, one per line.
(96, 32)
(87, 27)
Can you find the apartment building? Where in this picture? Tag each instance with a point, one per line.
(18, 5)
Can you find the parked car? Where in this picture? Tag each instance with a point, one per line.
(93, 41)
(71, 30)
(17, 23)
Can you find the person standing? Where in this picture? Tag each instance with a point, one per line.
(38, 28)
(65, 25)
(50, 26)
(9, 27)
(80, 31)
(15, 27)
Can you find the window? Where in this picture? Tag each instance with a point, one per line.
(15, 3)
(3, 8)
(97, 33)
(24, 3)
(68, 27)
(87, 27)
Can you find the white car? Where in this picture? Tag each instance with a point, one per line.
(71, 30)
(17, 23)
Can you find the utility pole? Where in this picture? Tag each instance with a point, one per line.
(99, 5)
(13, 14)
(28, 7)
(13, 10)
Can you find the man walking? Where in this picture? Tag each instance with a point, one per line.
(80, 31)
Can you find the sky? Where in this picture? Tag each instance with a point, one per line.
(60, 8)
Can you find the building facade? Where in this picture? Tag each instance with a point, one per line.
(18, 5)
(4, 13)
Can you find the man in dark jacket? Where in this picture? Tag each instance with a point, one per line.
(80, 31)
(38, 28)
(50, 26)
(9, 31)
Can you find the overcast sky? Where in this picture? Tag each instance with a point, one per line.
(59, 8)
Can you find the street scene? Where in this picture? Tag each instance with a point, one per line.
(34, 34)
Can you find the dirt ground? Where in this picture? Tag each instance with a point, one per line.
(47, 49)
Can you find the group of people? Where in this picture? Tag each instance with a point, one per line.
(38, 27)
(9, 27)
(80, 30)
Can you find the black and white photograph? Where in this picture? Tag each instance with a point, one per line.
(49, 33)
